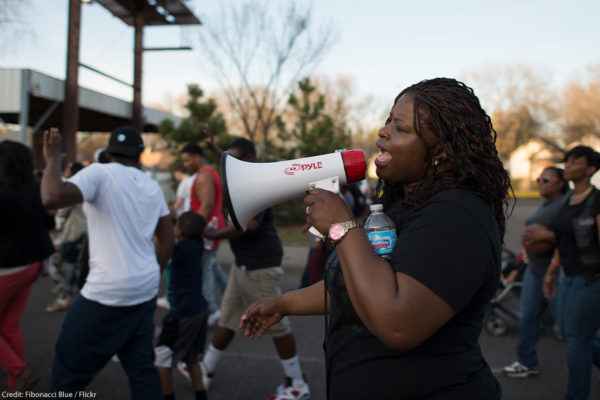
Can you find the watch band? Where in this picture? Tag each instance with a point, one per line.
(349, 225)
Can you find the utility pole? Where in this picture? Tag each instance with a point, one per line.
(70, 122)
(136, 13)
(137, 114)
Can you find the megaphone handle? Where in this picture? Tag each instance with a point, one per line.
(318, 235)
(333, 185)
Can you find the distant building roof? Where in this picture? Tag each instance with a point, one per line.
(98, 112)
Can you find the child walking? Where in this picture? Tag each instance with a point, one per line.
(183, 334)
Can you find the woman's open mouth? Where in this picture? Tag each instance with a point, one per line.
(383, 159)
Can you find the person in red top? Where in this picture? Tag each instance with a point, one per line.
(207, 200)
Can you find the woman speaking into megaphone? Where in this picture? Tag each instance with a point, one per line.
(407, 327)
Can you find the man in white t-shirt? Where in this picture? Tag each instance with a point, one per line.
(129, 227)
(183, 197)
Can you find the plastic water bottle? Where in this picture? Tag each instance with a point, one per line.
(381, 231)
(208, 243)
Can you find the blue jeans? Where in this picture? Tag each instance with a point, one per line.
(214, 280)
(580, 317)
(532, 304)
(92, 333)
(555, 301)
(596, 351)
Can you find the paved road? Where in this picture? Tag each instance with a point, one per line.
(250, 370)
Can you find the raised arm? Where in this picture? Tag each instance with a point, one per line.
(55, 192)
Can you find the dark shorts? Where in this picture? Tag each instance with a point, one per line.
(181, 339)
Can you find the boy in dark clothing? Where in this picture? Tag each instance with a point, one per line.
(183, 332)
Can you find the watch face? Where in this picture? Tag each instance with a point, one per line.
(336, 232)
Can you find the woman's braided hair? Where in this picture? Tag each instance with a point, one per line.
(465, 156)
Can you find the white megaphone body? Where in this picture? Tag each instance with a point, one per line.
(250, 188)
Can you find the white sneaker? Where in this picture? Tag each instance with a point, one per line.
(60, 304)
(206, 376)
(162, 302)
(182, 368)
(518, 370)
(292, 391)
(214, 318)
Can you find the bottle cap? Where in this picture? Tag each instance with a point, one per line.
(376, 207)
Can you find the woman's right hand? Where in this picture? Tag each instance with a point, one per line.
(549, 286)
(260, 316)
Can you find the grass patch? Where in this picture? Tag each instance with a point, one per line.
(524, 194)
(292, 235)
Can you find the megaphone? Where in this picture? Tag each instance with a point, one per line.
(250, 188)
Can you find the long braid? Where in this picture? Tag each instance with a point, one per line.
(466, 149)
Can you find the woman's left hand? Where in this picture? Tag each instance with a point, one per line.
(324, 208)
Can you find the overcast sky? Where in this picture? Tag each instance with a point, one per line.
(382, 45)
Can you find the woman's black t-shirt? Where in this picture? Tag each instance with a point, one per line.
(259, 248)
(24, 236)
(577, 236)
(451, 245)
(186, 279)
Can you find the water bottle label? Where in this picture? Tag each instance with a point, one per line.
(383, 242)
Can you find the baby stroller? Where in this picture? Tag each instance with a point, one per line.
(504, 313)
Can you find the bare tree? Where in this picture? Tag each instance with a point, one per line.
(508, 86)
(257, 51)
(522, 104)
(515, 127)
(581, 110)
(360, 112)
(13, 21)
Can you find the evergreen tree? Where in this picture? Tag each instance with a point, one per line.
(306, 128)
(204, 122)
